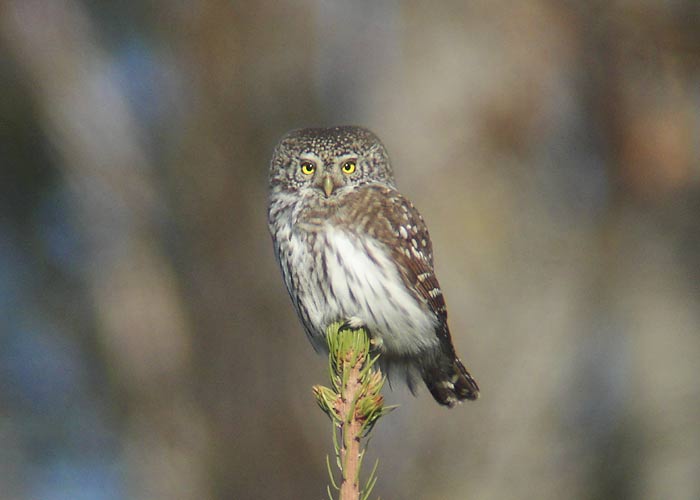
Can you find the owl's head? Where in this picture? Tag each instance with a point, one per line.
(327, 162)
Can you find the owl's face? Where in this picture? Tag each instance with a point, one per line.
(327, 162)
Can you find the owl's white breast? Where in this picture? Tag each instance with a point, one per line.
(365, 285)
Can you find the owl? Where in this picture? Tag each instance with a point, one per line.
(353, 249)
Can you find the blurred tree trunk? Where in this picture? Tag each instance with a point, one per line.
(140, 320)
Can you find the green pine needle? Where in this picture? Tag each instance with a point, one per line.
(349, 352)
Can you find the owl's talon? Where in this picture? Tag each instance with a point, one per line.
(376, 344)
(353, 324)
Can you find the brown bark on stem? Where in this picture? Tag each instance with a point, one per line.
(351, 430)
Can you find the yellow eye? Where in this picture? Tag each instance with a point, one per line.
(307, 168)
(349, 167)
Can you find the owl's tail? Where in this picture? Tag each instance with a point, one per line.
(451, 384)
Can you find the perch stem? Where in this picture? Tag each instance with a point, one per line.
(351, 430)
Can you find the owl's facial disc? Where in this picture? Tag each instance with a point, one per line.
(328, 181)
(326, 175)
(337, 173)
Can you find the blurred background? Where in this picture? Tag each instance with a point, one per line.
(148, 349)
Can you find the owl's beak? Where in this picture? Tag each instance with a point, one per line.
(328, 185)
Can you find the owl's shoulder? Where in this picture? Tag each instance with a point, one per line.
(379, 199)
(384, 213)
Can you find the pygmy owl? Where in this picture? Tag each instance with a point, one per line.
(353, 249)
